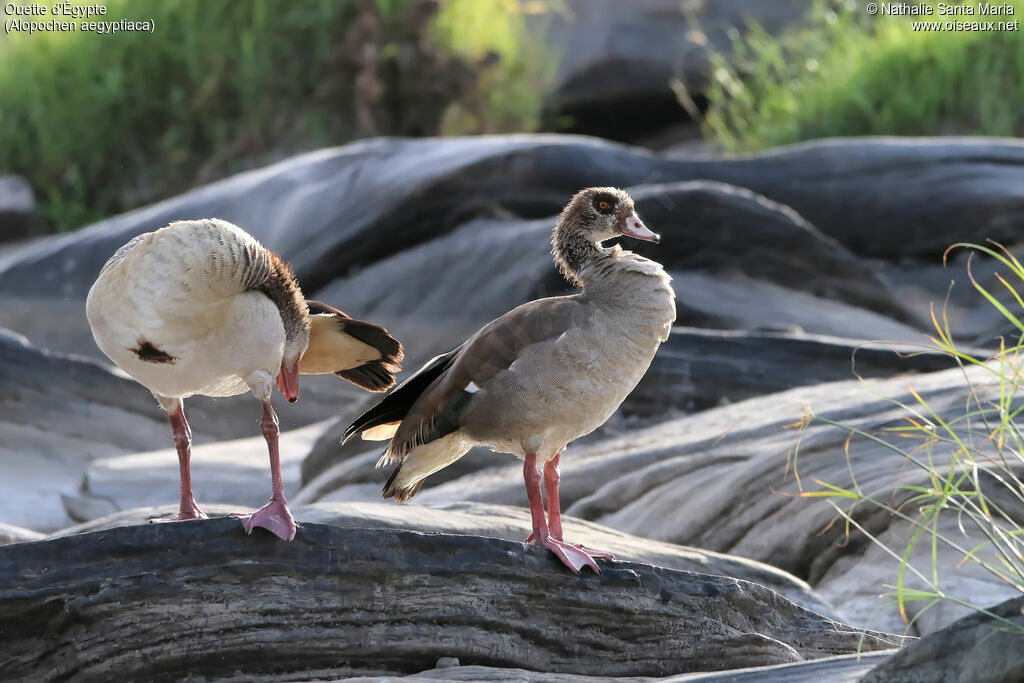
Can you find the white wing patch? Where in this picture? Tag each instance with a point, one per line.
(472, 388)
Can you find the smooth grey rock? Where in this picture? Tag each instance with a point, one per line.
(341, 200)
(738, 302)
(16, 195)
(89, 606)
(57, 413)
(719, 228)
(699, 369)
(695, 369)
(626, 54)
(18, 219)
(723, 480)
(60, 412)
(345, 470)
(855, 582)
(838, 669)
(982, 648)
(16, 534)
(234, 472)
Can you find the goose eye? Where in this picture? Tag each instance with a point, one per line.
(603, 206)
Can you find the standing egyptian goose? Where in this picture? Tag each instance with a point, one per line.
(201, 307)
(541, 375)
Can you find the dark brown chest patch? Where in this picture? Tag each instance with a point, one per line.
(151, 354)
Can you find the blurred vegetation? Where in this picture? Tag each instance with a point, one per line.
(100, 124)
(843, 72)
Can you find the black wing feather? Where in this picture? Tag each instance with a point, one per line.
(395, 406)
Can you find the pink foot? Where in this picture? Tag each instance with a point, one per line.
(182, 516)
(595, 554)
(275, 517)
(573, 556)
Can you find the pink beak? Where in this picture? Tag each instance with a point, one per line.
(288, 381)
(632, 226)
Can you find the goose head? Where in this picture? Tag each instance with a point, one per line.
(597, 214)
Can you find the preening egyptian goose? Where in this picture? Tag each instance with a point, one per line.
(541, 375)
(201, 307)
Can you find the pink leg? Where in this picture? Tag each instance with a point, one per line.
(275, 516)
(552, 478)
(573, 557)
(183, 442)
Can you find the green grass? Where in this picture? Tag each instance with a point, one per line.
(970, 467)
(845, 73)
(102, 123)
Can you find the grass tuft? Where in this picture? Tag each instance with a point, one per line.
(969, 467)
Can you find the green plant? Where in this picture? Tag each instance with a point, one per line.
(509, 88)
(843, 72)
(965, 469)
(103, 123)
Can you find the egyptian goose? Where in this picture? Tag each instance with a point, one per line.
(541, 375)
(201, 307)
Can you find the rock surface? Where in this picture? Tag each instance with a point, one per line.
(374, 601)
(59, 413)
(787, 260)
(838, 669)
(616, 57)
(694, 370)
(412, 191)
(985, 648)
(56, 415)
(723, 480)
(235, 472)
(16, 534)
(699, 368)
(507, 523)
(18, 219)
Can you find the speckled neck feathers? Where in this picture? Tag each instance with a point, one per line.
(572, 250)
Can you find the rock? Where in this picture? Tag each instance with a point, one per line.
(413, 191)
(739, 260)
(143, 515)
(123, 603)
(718, 228)
(56, 415)
(738, 302)
(18, 219)
(698, 369)
(16, 195)
(616, 61)
(358, 477)
(838, 669)
(16, 534)
(695, 369)
(513, 524)
(446, 663)
(503, 522)
(228, 472)
(723, 480)
(853, 582)
(60, 412)
(981, 647)
(950, 190)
